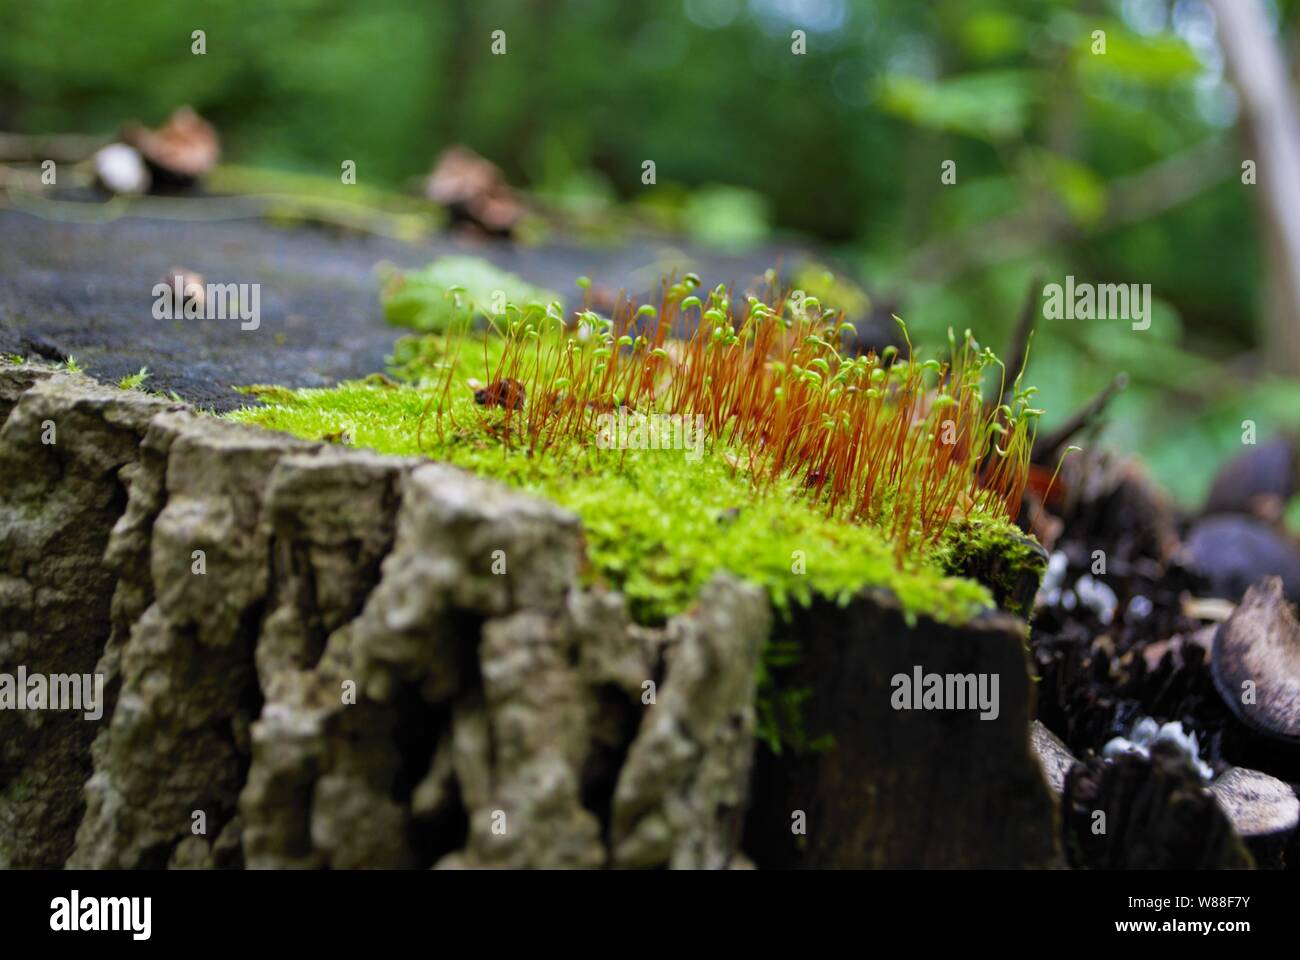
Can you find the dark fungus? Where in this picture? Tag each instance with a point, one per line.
(1256, 661)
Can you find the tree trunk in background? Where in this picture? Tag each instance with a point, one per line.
(1273, 132)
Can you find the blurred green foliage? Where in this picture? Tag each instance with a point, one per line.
(452, 292)
(844, 143)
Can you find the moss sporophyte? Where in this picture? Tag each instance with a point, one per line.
(817, 472)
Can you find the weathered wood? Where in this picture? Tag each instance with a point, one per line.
(1053, 756)
(84, 289)
(1135, 813)
(349, 683)
(1263, 809)
(904, 788)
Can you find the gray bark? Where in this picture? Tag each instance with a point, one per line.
(1272, 130)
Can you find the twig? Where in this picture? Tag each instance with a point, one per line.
(1018, 352)
(1044, 447)
(1132, 198)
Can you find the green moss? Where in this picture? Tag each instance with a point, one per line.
(997, 554)
(658, 525)
(134, 381)
(420, 358)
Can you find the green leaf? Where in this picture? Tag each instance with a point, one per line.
(991, 105)
(1163, 60)
(1080, 189)
(729, 218)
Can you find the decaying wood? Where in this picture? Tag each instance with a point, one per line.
(1138, 813)
(903, 788)
(1263, 809)
(1053, 755)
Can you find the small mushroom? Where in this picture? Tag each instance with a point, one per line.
(473, 189)
(1053, 756)
(1256, 661)
(1263, 809)
(180, 151)
(185, 289)
(1232, 552)
(1258, 481)
(120, 169)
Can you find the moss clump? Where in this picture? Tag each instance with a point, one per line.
(658, 524)
(422, 358)
(822, 474)
(998, 555)
(134, 381)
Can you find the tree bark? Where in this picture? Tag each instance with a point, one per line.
(1270, 124)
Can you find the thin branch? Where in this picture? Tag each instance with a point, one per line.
(1130, 199)
(1047, 445)
(1018, 352)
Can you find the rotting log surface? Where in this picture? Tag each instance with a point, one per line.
(85, 290)
(1140, 813)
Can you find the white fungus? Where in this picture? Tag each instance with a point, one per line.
(1097, 597)
(1146, 733)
